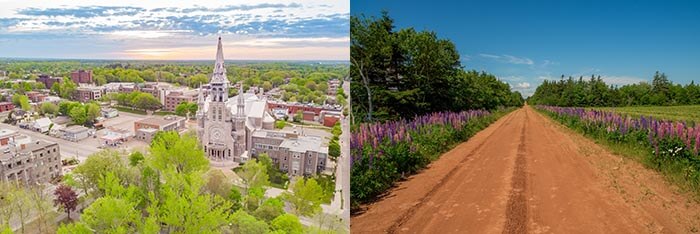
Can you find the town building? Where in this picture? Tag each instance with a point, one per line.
(75, 133)
(174, 98)
(333, 86)
(6, 106)
(41, 125)
(109, 113)
(86, 94)
(329, 118)
(115, 136)
(48, 80)
(292, 153)
(81, 76)
(29, 162)
(145, 129)
(35, 96)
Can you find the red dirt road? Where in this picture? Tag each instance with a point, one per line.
(527, 174)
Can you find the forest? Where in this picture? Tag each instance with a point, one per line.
(594, 92)
(405, 73)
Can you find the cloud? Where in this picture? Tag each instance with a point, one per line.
(516, 60)
(508, 59)
(145, 28)
(621, 80)
(522, 85)
(263, 19)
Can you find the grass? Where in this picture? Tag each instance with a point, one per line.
(676, 113)
(163, 113)
(133, 111)
(673, 171)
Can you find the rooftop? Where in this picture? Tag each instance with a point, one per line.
(160, 120)
(305, 143)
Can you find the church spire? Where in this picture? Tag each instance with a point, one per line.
(219, 68)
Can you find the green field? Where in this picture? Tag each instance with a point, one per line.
(681, 113)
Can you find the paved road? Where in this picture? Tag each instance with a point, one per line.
(527, 174)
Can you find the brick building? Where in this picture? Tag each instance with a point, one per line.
(6, 106)
(48, 80)
(174, 98)
(81, 76)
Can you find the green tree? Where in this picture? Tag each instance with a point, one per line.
(270, 209)
(267, 86)
(74, 228)
(306, 198)
(254, 175)
(334, 149)
(92, 111)
(186, 109)
(67, 88)
(181, 153)
(78, 115)
(49, 108)
(111, 215)
(244, 223)
(96, 166)
(145, 101)
(135, 158)
(287, 223)
(21, 101)
(299, 116)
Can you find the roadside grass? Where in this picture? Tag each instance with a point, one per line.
(676, 113)
(675, 172)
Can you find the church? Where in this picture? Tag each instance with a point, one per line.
(238, 128)
(225, 124)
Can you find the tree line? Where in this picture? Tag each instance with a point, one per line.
(403, 73)
(595, 92)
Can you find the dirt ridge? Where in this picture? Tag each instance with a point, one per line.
(516, 210)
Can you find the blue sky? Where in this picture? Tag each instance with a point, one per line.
(525, 42)
(162, 29)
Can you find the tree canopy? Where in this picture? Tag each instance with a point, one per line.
(404, 73)
(595, 92)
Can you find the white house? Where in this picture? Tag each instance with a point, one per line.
(42, 125)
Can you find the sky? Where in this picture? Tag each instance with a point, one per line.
(526, 42)
(175, 30)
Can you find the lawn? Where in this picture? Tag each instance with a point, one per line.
(678, 113)
(133, 111)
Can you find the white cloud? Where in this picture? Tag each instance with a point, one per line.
(621, 80)
(516, 60)
(522, 85)
(508, 59)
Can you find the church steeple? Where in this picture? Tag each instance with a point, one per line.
(219, 83)
(219, 75)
